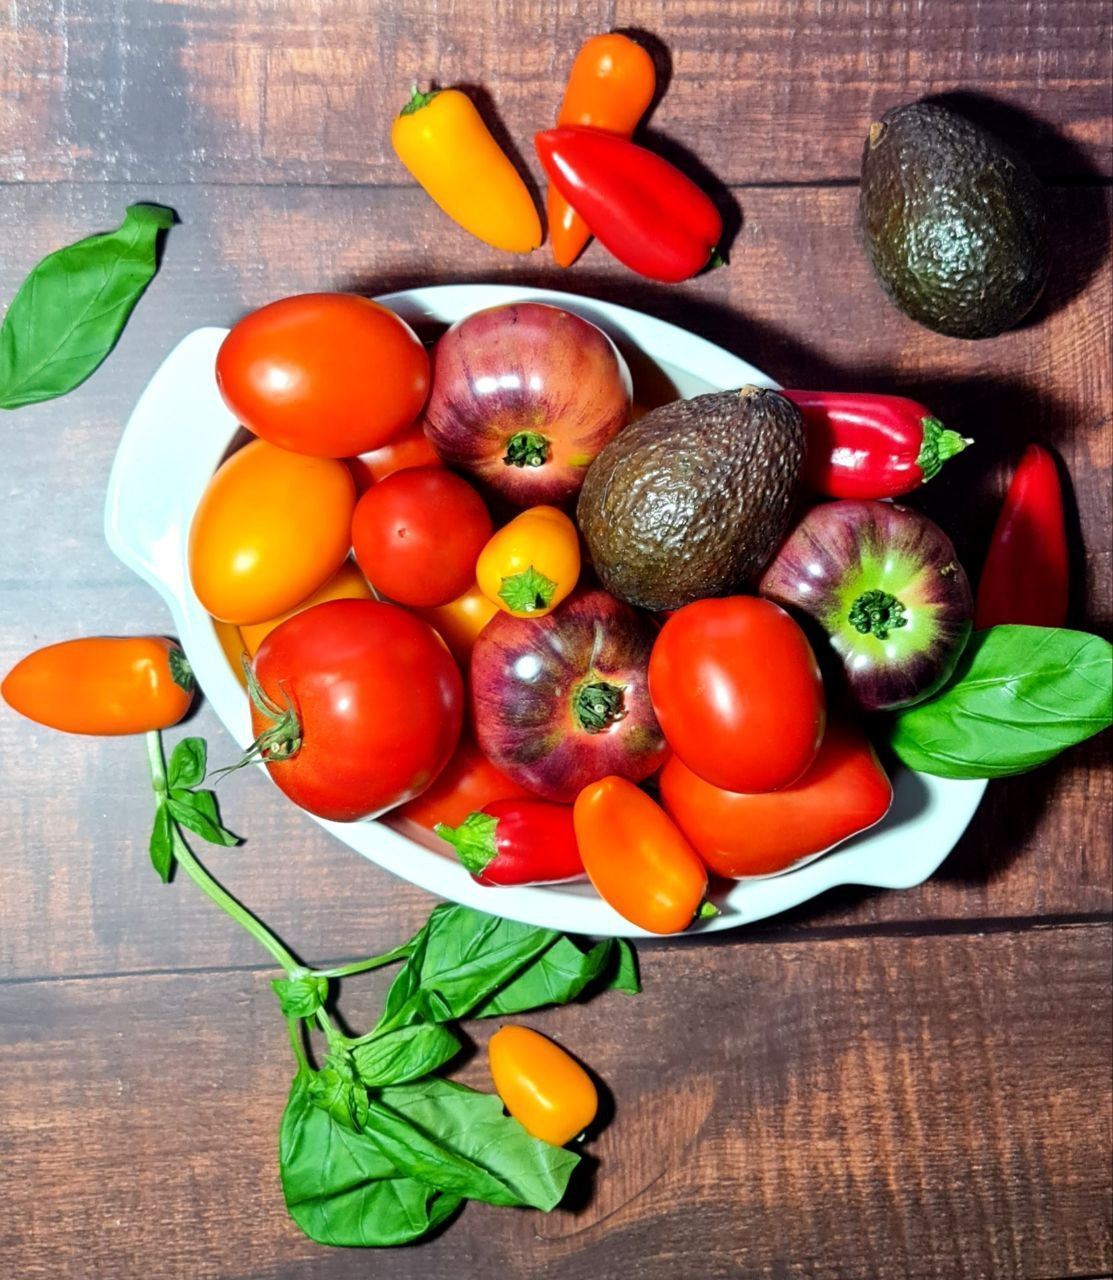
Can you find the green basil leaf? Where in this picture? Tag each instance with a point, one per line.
(337, 1090)
(197, 811)
(1021, 696)
(187, 763)
(162, 844)
(555, 976)
(70, 310)
(460, 959)
(405, 1054)
(300, 997)
(341, 1190)
(625, 977)
(459, 1140)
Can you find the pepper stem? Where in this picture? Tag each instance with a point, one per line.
(527, 449)
(597, 704)
(877, 613)
(939, 444)
(473, 840)
(418, 100)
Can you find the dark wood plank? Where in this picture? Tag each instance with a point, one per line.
(295, 92)
(862, 1108)
(797, 300)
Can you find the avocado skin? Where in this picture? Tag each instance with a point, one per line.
(693, 499)
(954, 222)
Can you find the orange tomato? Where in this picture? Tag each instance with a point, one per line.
(270, 528)
(637, 858)
(408, 449)
(544, 1088)
(329, 374)
(467, 783)
(460, 621)
(347, 583)
(104, 685)
(610, 87)
(531, 564)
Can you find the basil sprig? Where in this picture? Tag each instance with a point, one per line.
(1020, 696)
(375, 1147)
(70, 310)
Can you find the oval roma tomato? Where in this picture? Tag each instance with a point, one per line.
(271, 527)
(737, 692)
(358, 707)
(764, 833)
(331, 374)
(418, 534)
(542, 1086)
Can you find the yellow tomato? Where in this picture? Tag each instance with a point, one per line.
(530, 565)
(460, 621)
(270, 528)
(347, 583)
(544, 1089)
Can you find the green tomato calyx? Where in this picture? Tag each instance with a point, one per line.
(527, 449)
(877, 613)
(597, 704)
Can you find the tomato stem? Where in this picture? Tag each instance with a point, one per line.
(281, 741)
(877, 613)
(527, 449)
(597, 704)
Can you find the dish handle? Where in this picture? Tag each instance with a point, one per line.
(173, 442)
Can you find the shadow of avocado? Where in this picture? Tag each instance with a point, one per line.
(1077, 198)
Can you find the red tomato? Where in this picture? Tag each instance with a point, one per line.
(761, 834)
(468, 782)
(331, 374)
(365, 699)
(737, 692)
(418, 535)
(410, 448)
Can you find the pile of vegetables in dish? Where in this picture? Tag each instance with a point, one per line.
(674, 641)
(481, 591)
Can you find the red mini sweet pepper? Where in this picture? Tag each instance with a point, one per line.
(517, 842)
(653, 218)
(871, 446)
(1026, 575)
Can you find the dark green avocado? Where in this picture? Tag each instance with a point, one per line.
(693, 499)
(954, 222)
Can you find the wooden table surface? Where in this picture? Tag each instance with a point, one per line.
(878, 1085)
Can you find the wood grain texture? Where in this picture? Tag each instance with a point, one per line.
(281, 91)
(797, 299)
(933, 1107)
